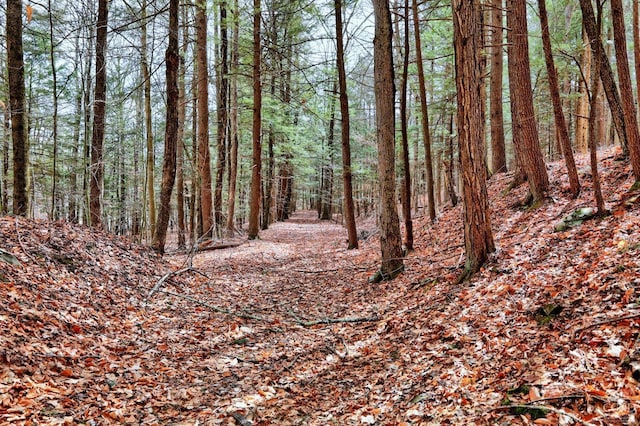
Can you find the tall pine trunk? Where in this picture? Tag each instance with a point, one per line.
(626, 90)
(606, 72)
(406, 181)
(477, 219)
(99, 110)
(390, 239)
(424, 116)
(498, 154)
(554, 87)
(15, 65)
(347, 177)
(222, 115)
(254, 203)
(204, 156)
(172, 60)
(148, 123)
(233, 122)
(527, 143)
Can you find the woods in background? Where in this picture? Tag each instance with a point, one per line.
(253, 109)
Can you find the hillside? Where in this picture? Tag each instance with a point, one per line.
(287, 331)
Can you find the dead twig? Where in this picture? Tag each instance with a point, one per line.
(542, 408)
(607, 321)
(218, 246)
(337, 320)
(213, 308)
(164, 278)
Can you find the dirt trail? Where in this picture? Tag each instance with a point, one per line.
(302, 236)
(298, 269)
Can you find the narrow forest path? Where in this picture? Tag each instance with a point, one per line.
(289, 353)
(297, 270)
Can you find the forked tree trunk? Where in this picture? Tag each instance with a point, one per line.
(477, 220)
(390, 239)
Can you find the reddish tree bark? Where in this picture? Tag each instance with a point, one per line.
(390, 238)
(554, 88)
(477, 219)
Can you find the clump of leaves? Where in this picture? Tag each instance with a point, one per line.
(547, 313)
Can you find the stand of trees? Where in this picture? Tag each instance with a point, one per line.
(253, 109)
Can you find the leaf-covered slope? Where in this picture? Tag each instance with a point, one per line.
(551, 321)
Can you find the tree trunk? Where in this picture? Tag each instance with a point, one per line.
(222, 115)
(527, 144)
(448, 164)
(626, 90)
(204, 157)
(606, 73)
(5, 162)
(99, 109)
(267, 193)
(561, 125)
(406, 181)
(582, 107)
(172, 60)
(498, 154)
(254, 203)
(148, 122)
(477, 220)
(15, 66)
(390, 238)
(636, 42)
(182, 106)
(54, 131)
(233, 122)
(347, 177)
(327, 169)
(593, 155)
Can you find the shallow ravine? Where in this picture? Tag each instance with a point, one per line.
(286, 330)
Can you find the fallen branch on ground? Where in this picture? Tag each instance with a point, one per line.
(213, 308)
(607, 321)
(164, 278)
(542, 408)
(337, 320)
(218, 246)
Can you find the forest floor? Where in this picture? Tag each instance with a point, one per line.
(286, 330)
